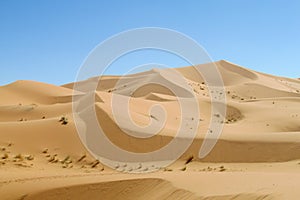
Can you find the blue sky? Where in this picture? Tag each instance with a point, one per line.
(48, 40)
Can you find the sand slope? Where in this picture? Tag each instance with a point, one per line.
(42, 158)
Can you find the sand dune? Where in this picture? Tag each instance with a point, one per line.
(147, 188)
(130, 189)
(42, 156)
(23, 92)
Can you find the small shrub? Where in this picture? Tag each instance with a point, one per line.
(190, 159)
(153, 117)
(64, 120)
(65, 160)
(29, 157)
(168, 169)
(97, 162)
(19, 157)
(183, 169)
(45, 151)
(5, 156)
(53, 159)
(81, 158)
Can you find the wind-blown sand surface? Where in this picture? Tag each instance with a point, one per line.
(256, 157)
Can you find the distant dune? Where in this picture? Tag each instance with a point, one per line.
(256, 157)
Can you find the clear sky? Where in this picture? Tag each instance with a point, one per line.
(48, 40)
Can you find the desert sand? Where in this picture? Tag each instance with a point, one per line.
(256, 157)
